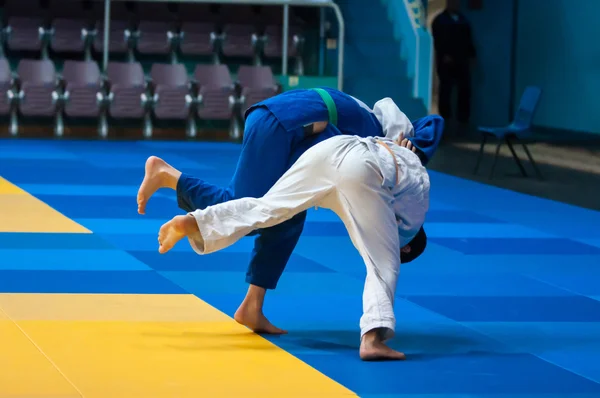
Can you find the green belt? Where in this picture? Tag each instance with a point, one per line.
(331, 108)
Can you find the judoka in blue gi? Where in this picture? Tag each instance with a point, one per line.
(277, 132)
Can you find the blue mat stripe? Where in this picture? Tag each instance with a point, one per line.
(504, 303)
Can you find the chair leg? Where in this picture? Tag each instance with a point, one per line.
(495, 159)
(533, 163)
(480, 156)
(512, 150)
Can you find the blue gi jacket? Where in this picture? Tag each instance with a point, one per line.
(295, 109)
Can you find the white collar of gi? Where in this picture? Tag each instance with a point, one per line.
(394, 122)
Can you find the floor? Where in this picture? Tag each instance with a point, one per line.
(505, 302)
(570, 166)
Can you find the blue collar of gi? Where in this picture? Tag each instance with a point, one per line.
(331, 108)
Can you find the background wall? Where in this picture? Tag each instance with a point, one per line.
(492, 32)
(558, 48)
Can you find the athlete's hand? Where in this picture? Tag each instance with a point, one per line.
(319, 127)
(406, 143)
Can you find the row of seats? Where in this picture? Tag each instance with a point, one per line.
(154, 28)
(124, 92)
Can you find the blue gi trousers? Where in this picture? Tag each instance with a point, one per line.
(268, 150)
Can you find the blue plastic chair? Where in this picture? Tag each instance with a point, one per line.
(518, 130)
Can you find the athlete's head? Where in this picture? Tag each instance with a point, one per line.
(414, 248)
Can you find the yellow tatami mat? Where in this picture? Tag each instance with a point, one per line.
(21, 212)
(143, 346)
(25, 370)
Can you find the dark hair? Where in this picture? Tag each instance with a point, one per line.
(417, 247)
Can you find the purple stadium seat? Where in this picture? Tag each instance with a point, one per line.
(122, 28)
(69, 35)
(197, 38)
(238, 40)
(154, 37)
(73, 27)
(9, 101)
(6, 86)
(25, 33)
(127, 85)
(83, 82)
(217, 91)
(171, 86)
(38, 84)
(157, 28)
(257, 83)
(219, 97)
(274, 45)
(24, 20)
(118, 39)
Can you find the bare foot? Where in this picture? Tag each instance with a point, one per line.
(158, 174)
(372, 348)
(255, 320)
(175, 230)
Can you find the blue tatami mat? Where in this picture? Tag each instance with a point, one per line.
(504, 303)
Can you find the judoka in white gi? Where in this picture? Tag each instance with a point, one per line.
(378, 188)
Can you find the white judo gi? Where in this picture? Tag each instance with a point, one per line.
(380, 192)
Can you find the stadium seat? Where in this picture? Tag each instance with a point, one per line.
(173, 95)
(8, 96)
(127, 87)
(257, 84)
(218, 100)
(38, 84)
(83, 96)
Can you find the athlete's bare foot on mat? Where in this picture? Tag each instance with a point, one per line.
(175, 230)
(372, 348)
(158, 174)
(255, 320)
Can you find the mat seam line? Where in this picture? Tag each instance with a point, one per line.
(491, 337)
(43, 353)
(87, 230)
(465, 325)
(351, 393)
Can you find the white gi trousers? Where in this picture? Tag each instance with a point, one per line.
(341, 174)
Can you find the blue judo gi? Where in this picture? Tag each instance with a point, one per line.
(274, 138)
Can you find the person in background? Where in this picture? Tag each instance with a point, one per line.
(454, 51)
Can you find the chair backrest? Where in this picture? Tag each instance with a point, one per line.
(126, 74)
(5, 72)
(527, 107)
(172, 75)
(81, 72)
(37, 71)
(213, 75)
(256, 76)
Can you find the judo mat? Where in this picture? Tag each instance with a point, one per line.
(504, 303)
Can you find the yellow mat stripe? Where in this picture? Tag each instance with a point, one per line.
(109, 307)
(22, 212)
(26, 372)
(156, 346)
